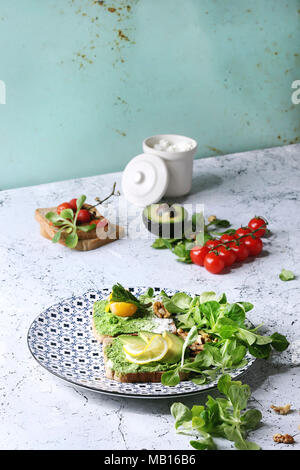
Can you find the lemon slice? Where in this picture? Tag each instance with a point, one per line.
(154, 351)
(146, 335)
(133, 345)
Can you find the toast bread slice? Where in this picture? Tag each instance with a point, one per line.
(154, 377)
(86, 240)
(99, 337)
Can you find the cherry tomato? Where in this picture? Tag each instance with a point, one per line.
(225, 238)
(241, 232)
(94, 222)
(227, 255)
(211, 244)
(62, 207)
(73, 204)
(255, 224)
(254, 245)
(84, 216)
(198, 254)
(214, 263)
(241, 251)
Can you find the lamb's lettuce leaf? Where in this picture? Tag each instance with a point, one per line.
(220, 417)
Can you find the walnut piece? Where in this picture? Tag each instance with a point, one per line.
(160, 310)
(211, 218)
(198, 345)
(283, 438)
(283, 410)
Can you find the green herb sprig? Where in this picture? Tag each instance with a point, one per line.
(120, 294)
(66, 221)
(220, 417)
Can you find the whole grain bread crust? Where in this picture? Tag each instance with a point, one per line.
(86, 240)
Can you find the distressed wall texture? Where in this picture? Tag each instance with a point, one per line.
(87, 81)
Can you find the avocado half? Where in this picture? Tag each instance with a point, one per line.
(165, 220)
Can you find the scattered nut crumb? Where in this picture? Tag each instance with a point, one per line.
(283, 438)
(211, 218)
(283, 410)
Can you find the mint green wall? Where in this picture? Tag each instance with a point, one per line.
(85, 85)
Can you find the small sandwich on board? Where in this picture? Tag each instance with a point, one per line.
(77, 225)
(138, 336)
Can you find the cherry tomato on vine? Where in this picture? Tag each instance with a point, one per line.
(241, 232)
(255, 224)
(211, 244)
(227, 255)
(254, 245)
(84, 216)
(241, 251)
(198, 254)
(214, 263)
(225, 238)
(73, 204)
(62, 207)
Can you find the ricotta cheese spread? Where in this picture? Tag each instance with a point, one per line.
(162, 324)
(167, 146)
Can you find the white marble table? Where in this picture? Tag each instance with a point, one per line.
(39, 411)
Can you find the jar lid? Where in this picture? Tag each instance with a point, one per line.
(145, 179)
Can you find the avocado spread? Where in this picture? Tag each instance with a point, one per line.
(107, 323)
(119, 363)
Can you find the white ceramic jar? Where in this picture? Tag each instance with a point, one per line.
(164, 169)
(179, 163)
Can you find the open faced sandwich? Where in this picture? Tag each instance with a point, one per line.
(157, 338)
(76, 225)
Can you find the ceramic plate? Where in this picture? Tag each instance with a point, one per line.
(61, 340)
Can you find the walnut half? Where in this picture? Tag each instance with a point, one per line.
(160, 310)
(283, 438)
(283, 410)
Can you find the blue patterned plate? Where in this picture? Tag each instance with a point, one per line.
(61, 340)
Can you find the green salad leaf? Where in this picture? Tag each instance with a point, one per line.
(286, 275)
(181, 300)
(230, 339)
(221, 417)
(197, 232)
(190, 339)
(148, 296)
(171, 378)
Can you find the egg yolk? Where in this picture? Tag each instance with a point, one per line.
(123, 309)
